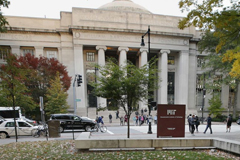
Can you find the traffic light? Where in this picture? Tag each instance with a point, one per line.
(79, 80)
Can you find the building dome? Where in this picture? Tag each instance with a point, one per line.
(125, 6)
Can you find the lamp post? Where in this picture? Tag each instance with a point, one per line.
(143, 44)
(204, 93)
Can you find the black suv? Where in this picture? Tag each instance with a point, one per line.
(70, 121)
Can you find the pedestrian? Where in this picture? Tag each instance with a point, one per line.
(125, 119)
(155, 119)
(192, 123)
(121, 121)
(136, 120)
(117, 114)
(110, 118)
(209, 123)
(238, 121)
(229, 123)
(189, 122)
(197, 123)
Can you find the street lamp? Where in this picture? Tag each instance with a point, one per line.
(204, 94)
(143, 44)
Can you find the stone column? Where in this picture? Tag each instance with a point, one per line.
(59, 55)
(143, 60)
(38, 51)
(101, 102)
(183, 73)
(163, 78)
(225, 96)
(81, 109)
(15, 50)
(123, 55)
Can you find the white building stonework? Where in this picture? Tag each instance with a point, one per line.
(86, 36)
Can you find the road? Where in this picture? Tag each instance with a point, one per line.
(118, 132)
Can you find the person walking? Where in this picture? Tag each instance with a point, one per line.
(192, 124)
(136, 120)
(117, 114)
(121, 121)
(209, 123)
(110, 118)
(197, 123)
(229, 123)
(189, 122)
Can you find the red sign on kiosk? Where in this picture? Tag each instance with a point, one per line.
(171, 120)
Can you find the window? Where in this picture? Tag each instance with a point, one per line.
(26, 51)
(23, 124)
(51, 54)
(200, 61)
(4, 51)
(9, 124)
(171, 60)
(90, 56)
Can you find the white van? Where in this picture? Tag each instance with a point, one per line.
(8, 112)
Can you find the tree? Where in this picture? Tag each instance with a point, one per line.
(12, 86)
(40, 72)
(224, 20)
(126, 85)
(56, 97)
(3, 21)
(218, 70)
(215, 106)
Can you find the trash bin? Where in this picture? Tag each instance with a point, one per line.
(53, 129)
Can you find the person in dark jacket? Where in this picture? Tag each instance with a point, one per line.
(192, 124)
(110, 118)
(229, 123)
(197, 122)
(209, 123)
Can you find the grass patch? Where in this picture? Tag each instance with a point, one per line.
(65, 150)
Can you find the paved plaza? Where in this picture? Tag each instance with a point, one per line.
(118, 132)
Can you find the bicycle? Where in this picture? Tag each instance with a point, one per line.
(41, 131)
(100, 127)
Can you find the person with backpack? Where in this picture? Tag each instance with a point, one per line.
(229, 123)
(197, 123)
(192, 124)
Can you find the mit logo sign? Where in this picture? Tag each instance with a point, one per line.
(171, 112)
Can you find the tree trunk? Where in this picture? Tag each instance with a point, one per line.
(14, 116)
(235, 99)
(128, 132)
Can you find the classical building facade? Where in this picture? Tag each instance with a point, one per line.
(86, 36)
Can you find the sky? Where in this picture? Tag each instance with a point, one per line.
(52, 8)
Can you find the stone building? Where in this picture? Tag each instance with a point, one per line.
(85, 36)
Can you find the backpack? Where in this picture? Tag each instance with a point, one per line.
(229, 119)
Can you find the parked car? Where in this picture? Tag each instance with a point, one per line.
(70, 121)
(7, 128)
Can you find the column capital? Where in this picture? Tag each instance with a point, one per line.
(101, 47)
(142, 49)
(164, 51)
(123, 48)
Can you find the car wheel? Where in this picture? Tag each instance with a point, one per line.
(88, 128)
(3, 135)
(61, 129)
